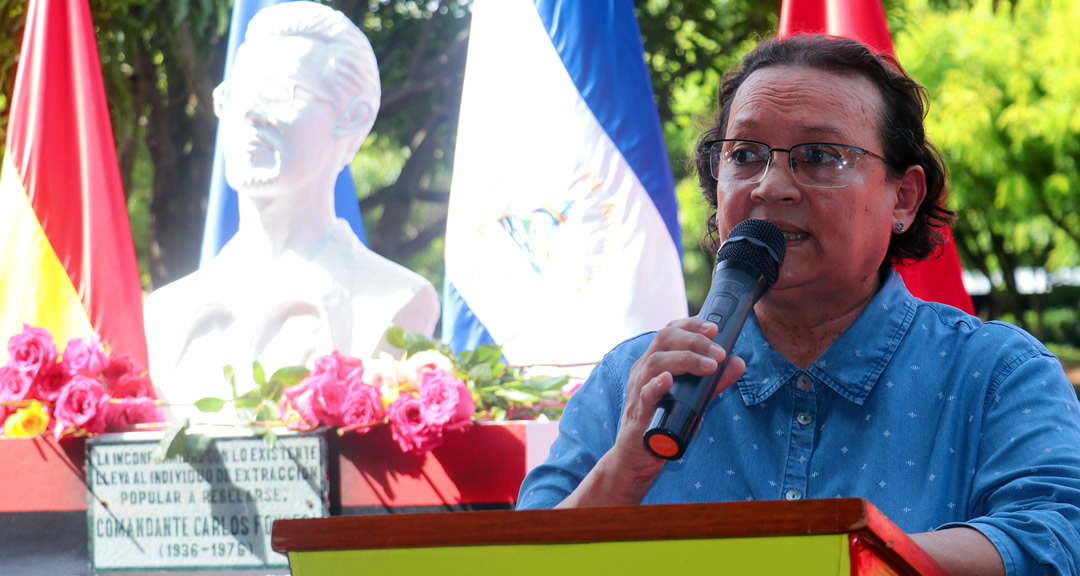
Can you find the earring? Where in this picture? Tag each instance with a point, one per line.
(899, 226)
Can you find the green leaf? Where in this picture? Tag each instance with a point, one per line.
(172, 442)
(195, 446)
(417, 347)
(488, 353)
(395, 336)
(265, 413)
(481, 373)
(259, 373)
(230, 378)
(223, 16)
(180, 12)
(414, 339)
(271, 391)
(249, 400)
(290, 375)
(210, 404)
(546, 383)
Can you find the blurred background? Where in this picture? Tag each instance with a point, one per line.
(1003, 77)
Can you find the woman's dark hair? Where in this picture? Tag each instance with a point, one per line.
(903, 136)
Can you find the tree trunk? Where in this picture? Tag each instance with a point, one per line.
(182, 149)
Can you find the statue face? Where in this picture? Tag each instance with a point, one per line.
(277, 120)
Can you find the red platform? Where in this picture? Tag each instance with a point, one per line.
(482, 466)
(43, 492)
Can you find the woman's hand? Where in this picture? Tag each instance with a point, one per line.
(625, 473)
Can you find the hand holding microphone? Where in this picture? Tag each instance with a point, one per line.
(672, 382)
(747, 265)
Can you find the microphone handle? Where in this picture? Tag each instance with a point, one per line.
(735, 289)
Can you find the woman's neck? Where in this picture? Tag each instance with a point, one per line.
(802, 329)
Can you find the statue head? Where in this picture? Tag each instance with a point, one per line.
(302, 96)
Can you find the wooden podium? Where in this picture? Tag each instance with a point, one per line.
(835, 536)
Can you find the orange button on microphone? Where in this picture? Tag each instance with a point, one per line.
(663, 446)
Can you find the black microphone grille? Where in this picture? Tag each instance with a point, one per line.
(758, 243)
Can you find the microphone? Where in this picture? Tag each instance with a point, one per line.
(747, 265)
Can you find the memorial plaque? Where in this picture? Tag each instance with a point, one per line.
(210, 513)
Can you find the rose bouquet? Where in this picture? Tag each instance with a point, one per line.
(82, 391)
(419, 398)
(427, 392)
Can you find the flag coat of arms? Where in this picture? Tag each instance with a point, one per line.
(562, 235)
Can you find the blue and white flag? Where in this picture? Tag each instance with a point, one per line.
(562, 237)
(222, 211)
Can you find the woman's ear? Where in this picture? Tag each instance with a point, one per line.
(909, 195)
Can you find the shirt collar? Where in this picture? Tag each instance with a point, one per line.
(850, 366)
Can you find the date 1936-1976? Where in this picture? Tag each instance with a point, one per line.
(215, 550)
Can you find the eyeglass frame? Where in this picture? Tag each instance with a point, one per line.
(709, 151)
(221, 100)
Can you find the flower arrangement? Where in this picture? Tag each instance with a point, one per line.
(422, 395)
(83, 391)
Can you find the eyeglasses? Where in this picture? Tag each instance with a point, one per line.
(271, 94)
(815, 164)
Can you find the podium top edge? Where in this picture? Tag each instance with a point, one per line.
(599, 524)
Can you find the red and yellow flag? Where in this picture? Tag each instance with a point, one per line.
(939, 278)
(67, 262)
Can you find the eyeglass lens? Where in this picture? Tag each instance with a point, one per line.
(814, 165)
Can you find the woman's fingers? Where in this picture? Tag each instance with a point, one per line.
(654, 390)
(734, 370)
(683, 347)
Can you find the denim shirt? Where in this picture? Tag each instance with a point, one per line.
(938, 419)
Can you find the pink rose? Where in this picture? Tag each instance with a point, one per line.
(119, 365)
(32, 350)
(50, 383)
(412, 432)
(15, 385)
(447, 401)
(128, 411)
(296, 401)
(83, 404)
(84, 356)
(327, 399)
(132, 386)
(363, 405)
(338, 365)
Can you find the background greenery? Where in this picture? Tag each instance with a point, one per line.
(1004, 79)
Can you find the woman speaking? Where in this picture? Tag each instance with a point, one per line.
(841, 383)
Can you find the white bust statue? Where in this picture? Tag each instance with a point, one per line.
(294, 282)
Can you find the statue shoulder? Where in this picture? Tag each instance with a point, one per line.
(177, 297)
(374, 272)
(382, 288)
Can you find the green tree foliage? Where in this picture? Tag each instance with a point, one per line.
(1005, 93)
(688, 45)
